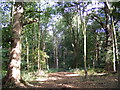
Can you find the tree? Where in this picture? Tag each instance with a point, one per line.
(106, 24)
(83, 22)
(13, 73)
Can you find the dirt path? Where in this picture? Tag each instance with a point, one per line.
(72, 80)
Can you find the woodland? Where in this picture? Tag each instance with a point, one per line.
(60, 44)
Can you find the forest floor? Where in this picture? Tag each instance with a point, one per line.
(73, 80)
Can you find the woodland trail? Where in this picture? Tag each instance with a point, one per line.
(72, 80)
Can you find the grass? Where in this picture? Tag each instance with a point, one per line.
(28, 76)
(90, 71)
(51, 70)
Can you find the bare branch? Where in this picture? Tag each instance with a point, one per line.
(116, 22)
(96, 18)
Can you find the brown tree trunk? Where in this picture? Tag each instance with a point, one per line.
(108, 62)
(13, 73)
(109, 39)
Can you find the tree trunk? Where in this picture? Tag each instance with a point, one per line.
(39, 34)
(97, 53)
(27, 51)
(56, 51)
(13, 73)
(85, 54)
(83, 22)
(108, 62)
(111, 40)
(114, 45)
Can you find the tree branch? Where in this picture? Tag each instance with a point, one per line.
(96, 18)
(116, 22)
(29, 22)
(107, 12)
(34, 11)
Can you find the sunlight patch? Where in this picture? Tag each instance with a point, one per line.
(54, 78)
(72, 75)
(101, 74)
(69, 86)
(41, 79)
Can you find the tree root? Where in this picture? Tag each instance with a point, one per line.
(12, 83)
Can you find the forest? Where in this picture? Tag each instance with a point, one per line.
(48, 44)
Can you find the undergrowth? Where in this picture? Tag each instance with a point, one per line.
(89, 71)
(28, 76)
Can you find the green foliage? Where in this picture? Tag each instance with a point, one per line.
(91, 71)
(28, 76)
(116, 10)
(78, 71)
(100, 70)
(52, 70)
(3, 72)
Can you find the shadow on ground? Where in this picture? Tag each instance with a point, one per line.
(72, 80)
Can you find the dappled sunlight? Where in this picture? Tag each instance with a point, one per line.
(48, 78)
(56, 74)
(73, 80)
(102, 74)
(54, 78)
(69, 86)
(69, 75)
(41, 79)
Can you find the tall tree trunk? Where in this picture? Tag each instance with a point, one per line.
(83, 22)
(27, 52)
(55, 49)
(74, 48)
(97, 53)
(111, 41)
(85, 40)
(57, 61)
(114, 45)
(108, 62)
(13, 72)
(85, 55)
(39, 65)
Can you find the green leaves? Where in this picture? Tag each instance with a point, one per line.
(44, 55)
(116, 10)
